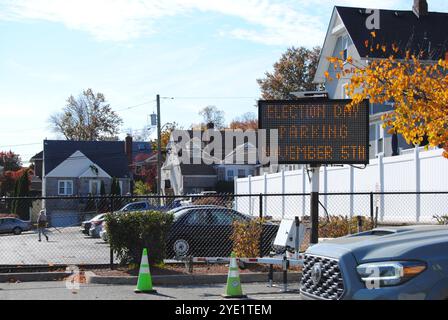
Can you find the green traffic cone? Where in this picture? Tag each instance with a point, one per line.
(233, 288)
(144, 284)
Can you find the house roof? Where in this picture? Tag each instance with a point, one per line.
(426, 34)
(399, 27)
(78, 166)
(108, 155)
(37, 156)
(140, 148)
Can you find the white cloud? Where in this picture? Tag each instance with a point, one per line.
(272, 22)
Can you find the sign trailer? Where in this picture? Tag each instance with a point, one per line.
(315, 132)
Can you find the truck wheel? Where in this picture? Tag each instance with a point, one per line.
(181, 247)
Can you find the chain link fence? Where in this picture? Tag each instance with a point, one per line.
(211, 225)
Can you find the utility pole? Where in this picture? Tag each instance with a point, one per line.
(315, 172)
(159, 150)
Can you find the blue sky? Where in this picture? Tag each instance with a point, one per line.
(131, 50)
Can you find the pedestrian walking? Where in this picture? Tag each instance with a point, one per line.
(42, 224)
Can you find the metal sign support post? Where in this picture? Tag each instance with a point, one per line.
(315, 176)
(297, 242)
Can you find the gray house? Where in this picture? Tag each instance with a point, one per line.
(180, 178)
(78, 168)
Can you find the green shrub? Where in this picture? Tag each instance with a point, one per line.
(131, 232)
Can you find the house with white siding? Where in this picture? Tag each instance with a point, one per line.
(417, 30)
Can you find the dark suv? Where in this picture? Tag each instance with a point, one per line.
(404, 263)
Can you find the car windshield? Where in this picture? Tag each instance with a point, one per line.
(98, 217)
(135, 206)
(179, 214)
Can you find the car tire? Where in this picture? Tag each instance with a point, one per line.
(17, 231)
(181, 248)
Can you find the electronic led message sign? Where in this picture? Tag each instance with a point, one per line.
(317, 131)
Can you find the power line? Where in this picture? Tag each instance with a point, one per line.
(21, 145)
(136, 106)
(211, 98)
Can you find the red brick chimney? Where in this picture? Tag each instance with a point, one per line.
(128, 148)
(420, 8)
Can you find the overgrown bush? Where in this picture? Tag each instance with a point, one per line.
(246, 238)
(340, 226)
(131, 232)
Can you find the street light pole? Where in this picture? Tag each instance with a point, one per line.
(159, 150)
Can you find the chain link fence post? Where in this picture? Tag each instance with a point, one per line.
(260, 207)
(372, 211)
(110, 246)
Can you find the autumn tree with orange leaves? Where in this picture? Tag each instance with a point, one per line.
(247, 121)
(418, 90)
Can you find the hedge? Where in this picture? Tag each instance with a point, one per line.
(130, 232)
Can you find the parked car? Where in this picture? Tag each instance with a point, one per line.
(138, 206)
(96, 228)
(192, 206)
(145, 206)
(86, 225)
(383, 264)
(205, 231)
(14, 225)
(103, 233)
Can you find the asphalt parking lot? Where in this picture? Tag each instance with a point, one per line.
(58, 291)
(66, 246)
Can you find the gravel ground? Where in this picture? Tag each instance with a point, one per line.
(181, 269)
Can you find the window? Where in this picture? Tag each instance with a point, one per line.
(344, 92)
(372, 132)
(241, 173)
(136, 207)
(225, 217)
(197, 217)
(95, 187)
(221, 173)
(120, 183)
(230, 174)
(65, 188)
(345, 43)
(380, 139)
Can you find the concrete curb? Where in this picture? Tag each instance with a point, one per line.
(185, 280)
(33, 276)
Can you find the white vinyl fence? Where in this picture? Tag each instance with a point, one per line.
(419, 171)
